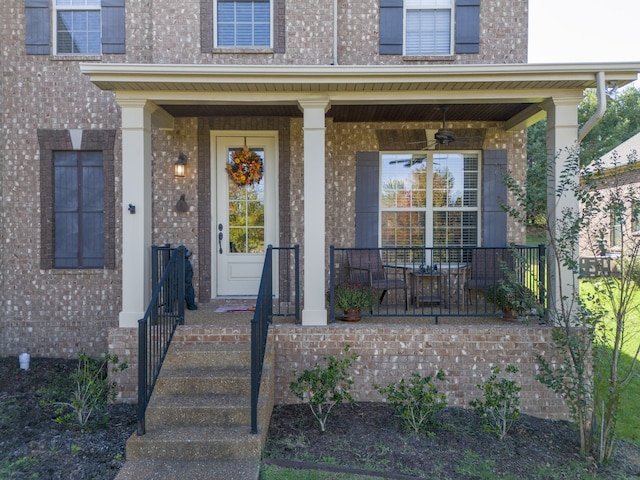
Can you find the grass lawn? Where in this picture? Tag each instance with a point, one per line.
(269, 472)
(628, 427)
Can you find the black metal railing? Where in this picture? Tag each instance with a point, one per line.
(164, 313)
(436, 282)
(288, 259)
(287, 303)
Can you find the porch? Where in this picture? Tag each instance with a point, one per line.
(444, 284)
(206, 349)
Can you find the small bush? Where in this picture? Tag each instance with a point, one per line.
(501, 405)
(91, 390)
(324, 388)
(416, 401)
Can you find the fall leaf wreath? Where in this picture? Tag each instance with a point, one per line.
(245, 167)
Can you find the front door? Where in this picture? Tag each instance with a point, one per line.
(245, 217)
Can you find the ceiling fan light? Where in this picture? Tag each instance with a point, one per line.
(444, 137)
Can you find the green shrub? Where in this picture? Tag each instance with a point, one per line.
(501, 404)
(324, 388)
(91, 389)
(416, 401)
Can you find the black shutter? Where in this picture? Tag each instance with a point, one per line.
(391, 27)
(38, 27)
(113, 26)
(367, 193)
(467, 27)
(279, 38)
(494, 195)
(206, 26)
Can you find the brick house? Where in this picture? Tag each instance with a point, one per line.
(100, 97)
(618, 176)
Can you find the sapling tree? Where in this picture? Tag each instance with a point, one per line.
(580, 333)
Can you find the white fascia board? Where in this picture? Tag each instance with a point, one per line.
(167, 74)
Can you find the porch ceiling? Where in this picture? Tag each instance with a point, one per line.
(361, 113)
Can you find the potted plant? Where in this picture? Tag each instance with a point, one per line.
(353, 299)
(512, 297)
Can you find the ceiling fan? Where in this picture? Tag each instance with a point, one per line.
(445, 137)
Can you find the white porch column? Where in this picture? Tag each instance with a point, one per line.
(136, 192)
(562, 139)
(314, 264)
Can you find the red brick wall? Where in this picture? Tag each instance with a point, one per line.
(466, 354)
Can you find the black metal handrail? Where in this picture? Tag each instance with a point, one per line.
(436, 282)
(164, 313)
(264, 314)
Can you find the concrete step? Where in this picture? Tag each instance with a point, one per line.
(217, 409)
(198, 419)
(202, 380)
(164, 470)
(197, 444)
(208, 355)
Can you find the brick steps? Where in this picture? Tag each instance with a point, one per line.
(198, 418)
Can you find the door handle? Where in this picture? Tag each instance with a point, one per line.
(220, 236)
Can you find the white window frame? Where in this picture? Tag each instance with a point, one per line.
(615, 233)
(429, 209)
(215, 30)
(83, 8)
(635, 217)
(429, 5)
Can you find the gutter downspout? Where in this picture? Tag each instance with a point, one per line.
(602, 106)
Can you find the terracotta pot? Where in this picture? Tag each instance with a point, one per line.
(351, 316)
(509, 316)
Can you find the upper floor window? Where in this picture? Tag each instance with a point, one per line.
(243, 23)
(428, 27)
(77, 27)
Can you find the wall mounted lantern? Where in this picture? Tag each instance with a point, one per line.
(180, 166)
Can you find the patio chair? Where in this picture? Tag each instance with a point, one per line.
(488, 267)
(365, 268)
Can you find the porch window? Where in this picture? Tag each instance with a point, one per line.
(78, 27)
(430, 200)
(78, 209)
(243, 23)
(428, 27)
